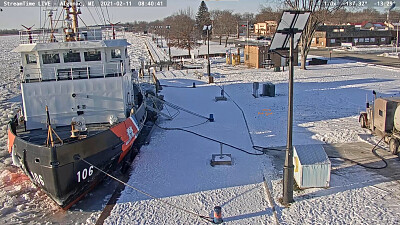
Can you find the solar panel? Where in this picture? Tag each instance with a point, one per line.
(291, 22)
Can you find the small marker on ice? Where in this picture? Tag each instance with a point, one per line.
(217, 215)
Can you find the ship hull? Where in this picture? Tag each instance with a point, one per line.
(60, 170)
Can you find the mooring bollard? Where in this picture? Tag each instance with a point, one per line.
(211, 119)
(217, 215)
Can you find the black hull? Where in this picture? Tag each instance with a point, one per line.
(59, 170)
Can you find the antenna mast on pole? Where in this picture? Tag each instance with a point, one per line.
(71, 31)
(52, 37)
(74, 14)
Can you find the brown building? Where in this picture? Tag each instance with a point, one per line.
(259, 57)
(267, 28)
(335, 35)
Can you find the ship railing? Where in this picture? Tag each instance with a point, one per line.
(39, 36)
(108, 34)
(46, 36)
(88, 71)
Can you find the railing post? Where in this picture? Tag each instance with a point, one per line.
(87, 71)
(72, 76)
(40, 75)
(55, 74)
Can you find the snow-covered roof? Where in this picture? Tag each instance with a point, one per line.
(70, 45)
(311, 154)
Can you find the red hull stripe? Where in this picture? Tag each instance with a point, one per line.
(127, 131)
(11, 139)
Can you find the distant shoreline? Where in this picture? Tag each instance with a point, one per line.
(8, 32)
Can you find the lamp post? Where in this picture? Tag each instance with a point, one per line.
(288, 172)
(208, 29)
(397, 38)
(292, 22)
(169, 43)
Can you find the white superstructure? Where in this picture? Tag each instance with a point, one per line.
(88, 78)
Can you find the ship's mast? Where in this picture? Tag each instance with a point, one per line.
(52, 37)
(74, 14)
(71, 32)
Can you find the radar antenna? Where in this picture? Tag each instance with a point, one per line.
(113, 28)
(29, 32)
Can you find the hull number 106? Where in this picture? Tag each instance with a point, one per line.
(84, 174)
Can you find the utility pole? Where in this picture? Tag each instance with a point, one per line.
(237, 30)
(208, 28)
(248, 30)
(397, 38)
(288, 168)
(292, 22)
(248, 47)
(169, 43)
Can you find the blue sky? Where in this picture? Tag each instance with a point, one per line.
(13, 17)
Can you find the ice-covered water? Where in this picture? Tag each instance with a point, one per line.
(20, 200)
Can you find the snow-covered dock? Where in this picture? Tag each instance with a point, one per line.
(175, 166)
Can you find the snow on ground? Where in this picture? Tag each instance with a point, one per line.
(355, 196)
(215, 47)
(390, 55)
(327, 100)
(175, 165)
(366, 49)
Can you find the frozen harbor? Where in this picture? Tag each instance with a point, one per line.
(328, 98)
(175, 166)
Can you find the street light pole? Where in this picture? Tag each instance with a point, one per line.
(169, 43)
(288, 168)
(292, 22)
(208, 28)
(208, 53)
(397, 39)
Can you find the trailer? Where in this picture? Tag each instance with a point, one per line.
(382, 117)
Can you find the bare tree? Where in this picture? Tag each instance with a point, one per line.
(225, 24)
(320, 10)
(248, 17)
(182, 32)
(216, 29)
(267, 13)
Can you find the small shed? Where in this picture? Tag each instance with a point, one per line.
(312, 167)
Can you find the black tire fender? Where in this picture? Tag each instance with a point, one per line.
(394, 146)
(363, 120)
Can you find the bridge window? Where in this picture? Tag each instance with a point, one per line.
(92, 55)
(30, 58)
(51, 58)
(72, 56)
(115, 53)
